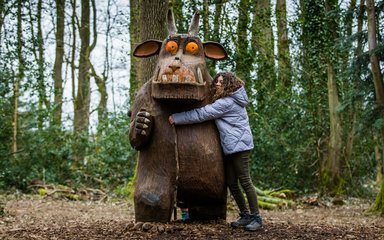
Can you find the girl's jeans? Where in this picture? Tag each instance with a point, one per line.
(237, 170)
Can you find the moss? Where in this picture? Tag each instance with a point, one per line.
(334, 186)
(378, 206)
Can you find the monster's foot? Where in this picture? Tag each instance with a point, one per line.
(152, 207)
(208, 212)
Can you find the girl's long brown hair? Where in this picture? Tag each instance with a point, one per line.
(230, 84)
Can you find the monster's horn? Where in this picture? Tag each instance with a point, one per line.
(194, 28)
(171, 23)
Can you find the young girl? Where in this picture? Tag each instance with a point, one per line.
(231, 118)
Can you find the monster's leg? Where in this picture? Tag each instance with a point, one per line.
(154, 197)
(204, 205)
(213, 209)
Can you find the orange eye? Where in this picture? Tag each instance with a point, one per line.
(192, 47)
(171, 47)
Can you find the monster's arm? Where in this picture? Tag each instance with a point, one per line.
(141, 122)
(209, 112)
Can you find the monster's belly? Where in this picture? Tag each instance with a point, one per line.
(200, 160)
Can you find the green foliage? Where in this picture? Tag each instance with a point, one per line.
(46, 156)
(111, 158)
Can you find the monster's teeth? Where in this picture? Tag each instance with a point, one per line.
(175, 78)
(164, 78)
(188, 79)
(200, 76)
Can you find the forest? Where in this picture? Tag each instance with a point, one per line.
(312, 70)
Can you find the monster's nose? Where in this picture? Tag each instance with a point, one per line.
(175, 64)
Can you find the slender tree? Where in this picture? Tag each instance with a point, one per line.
(216, 35)
(83, 97)
(81, 120)
(99, 79)
(73, 51)
(3, 13)
(283, 55)
(263, 46)
(205, 17)
(19, 77)
(58, 65)
(243, 56)
(356, 75)
(378, 206)
(43, 99)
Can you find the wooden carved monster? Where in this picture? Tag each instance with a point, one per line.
(177, 163)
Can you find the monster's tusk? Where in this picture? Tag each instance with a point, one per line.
(200, 76)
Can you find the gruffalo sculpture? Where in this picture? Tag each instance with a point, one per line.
(182, 163)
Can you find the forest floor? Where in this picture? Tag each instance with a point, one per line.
(34, 217)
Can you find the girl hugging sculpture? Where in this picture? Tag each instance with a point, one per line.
(177, 163)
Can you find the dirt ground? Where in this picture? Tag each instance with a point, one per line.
(32, 217)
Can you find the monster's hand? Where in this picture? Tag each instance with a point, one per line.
(143, 122)
(140, 130)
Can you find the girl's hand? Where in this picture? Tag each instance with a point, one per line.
(170, 119)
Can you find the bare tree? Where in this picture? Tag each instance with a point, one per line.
(82, 101)
(83, 96)
(19, 77)
(57, 68)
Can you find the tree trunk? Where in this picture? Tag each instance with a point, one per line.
(205, 17)
(243, 55)
(100, 80)
(81, 118)
(73, 51)
(43, 100)
(333, 166)
(378, 158)
(215, 36)
(152, 26)
(263, 46)
(357, 75)
(19, 77)
(3, 13)
(332, 172)
(375, 65)
(58, 65)
(378, 206)
(82, 101)
(134, 34)
(283, 56)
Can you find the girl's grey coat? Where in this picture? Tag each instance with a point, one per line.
(231, 119)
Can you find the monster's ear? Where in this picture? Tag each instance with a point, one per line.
(214, 50)
(147, 48)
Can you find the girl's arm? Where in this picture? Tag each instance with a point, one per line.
(209, 112)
